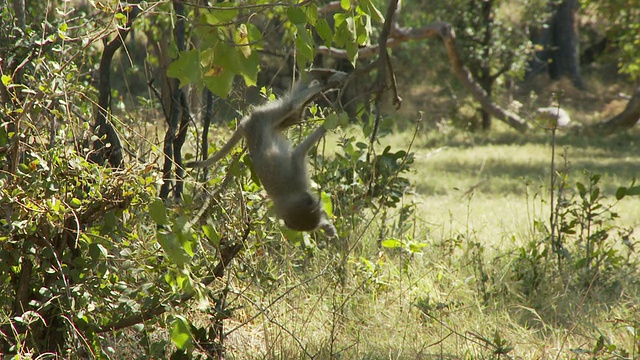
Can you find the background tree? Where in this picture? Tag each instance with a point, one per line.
(620, 29)
(494, 47)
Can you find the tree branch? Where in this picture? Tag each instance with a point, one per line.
(445, 32)
(628, 118)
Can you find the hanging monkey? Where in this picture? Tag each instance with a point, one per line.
(282, 168)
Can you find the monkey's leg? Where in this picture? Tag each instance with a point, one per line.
(293, 105)
(302, 94)
(237, 135)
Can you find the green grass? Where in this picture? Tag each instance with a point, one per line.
(476, 200)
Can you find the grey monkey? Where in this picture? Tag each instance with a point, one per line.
(282, 169)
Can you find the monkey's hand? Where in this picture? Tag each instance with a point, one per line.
(329, 229)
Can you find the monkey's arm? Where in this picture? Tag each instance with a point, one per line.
(237, 135)
(303, 148)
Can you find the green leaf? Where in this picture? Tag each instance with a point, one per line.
(331, 122)
(221, 16)
(180, 334)
(311, 11)
(304, 45)
(345, 4)
(211, 233)
(352, 53)
(94, 252)
(249, 68)
(6, 80)
(327, 204)
(221, 84)
(392, 243)
(324, 30)
(185, 237)
(108, 223)
(371, 10)
(296, 15)
(363, 30)
(158, 212)
(624, 191)
(241, 38)
(224, 62)
(173, 248)
(75, 203)
(186, 68)
(633, 191)
(222, 67)
(335, 120)
(594, 195)
(344, 30)
(416, 247)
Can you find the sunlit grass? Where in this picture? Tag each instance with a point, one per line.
(477, 198)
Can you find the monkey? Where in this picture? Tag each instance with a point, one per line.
(282, 168)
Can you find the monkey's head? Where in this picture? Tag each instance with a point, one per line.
(301, 212)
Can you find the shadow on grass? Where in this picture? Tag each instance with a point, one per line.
(615, 158)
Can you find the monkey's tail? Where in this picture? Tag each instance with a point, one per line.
(220, 154)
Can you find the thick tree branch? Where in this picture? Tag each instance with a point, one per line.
(628, 118)
(179, 110)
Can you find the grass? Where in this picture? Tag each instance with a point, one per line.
(470, 293)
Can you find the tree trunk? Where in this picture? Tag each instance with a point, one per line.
(108, 146)
(540, 35)
(560, 54)
(566, 54)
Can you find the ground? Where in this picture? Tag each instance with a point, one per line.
(480, 288)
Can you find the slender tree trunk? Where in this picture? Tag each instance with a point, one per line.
(176, 131)
(485, 79)
(19, 7)
(206, 123)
